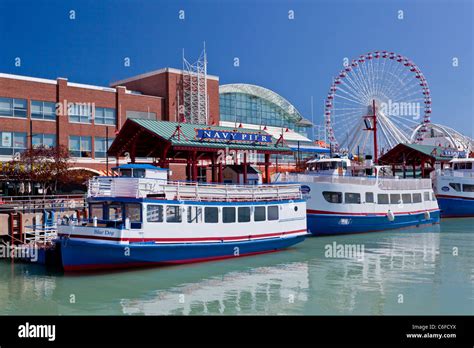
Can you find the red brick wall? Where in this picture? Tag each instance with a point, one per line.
(168, 84)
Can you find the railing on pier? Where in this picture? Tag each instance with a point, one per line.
(177, 190)
(385, 183)
(41, 235)
(31, 204)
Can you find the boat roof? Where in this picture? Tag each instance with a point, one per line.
(138, 166)
(335, 159)
(461, 160)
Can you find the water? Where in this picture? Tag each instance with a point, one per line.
(415, 267)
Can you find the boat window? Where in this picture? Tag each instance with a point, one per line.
(211, 215)
(344, 165)
(456, 186)
(259, 214)
(115, 212)
(469, 165)
(96, 210)
(139, 173)
(273, 212)
(433, 197)
(426, 196)
(382, 198)
(369, 197)
(133, 212)
(173, 213)
(244, 214)
(406, 198)
(126, 172)
(417, 198)
(194, 214)
(228, 214)
(352, 198)
(332, 197)
(154, 213)
(467, 188)
(395, 198)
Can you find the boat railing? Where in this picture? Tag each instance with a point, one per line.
(185, 190)
(456, 173)
(384, 183)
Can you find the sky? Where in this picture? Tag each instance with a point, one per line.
(296, 58)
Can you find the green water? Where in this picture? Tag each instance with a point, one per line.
(414, 271)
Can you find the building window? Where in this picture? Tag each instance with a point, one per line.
(259, 214)
(141, 114)
(382, 198)
(273, 213)
(395, 198)
(369, 197)
(211, 215)
(173, 213)
(12, 142)
(154, 213)
(43, 110)
(13, 107)
(80, 112)
(45, 140)
(406, 198)
(101, 147)
(352, 198)
(194, 214)
(80, 146)
(332, 197)
(417, 198)
(228, 214)
(105, 116)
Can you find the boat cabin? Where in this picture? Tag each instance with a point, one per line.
(462, 164)
(141, 171)
(329, 166)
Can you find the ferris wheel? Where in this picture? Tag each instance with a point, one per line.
(386, 85)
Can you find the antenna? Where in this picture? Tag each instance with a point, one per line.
(195, 89)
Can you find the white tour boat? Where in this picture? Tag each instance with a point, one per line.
(454, 188)
(342, 198)
(140, 218)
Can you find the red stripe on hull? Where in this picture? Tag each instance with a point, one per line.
(86, 268)
(455, 197)
(311, 211)
(184, 240)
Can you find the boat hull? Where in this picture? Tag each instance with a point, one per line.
(333, 224)
(80, 255)
(452, 207)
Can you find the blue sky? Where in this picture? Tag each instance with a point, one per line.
(296, 58)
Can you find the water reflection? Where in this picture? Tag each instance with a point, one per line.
(417, 265)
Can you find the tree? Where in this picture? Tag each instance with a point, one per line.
(42, 165)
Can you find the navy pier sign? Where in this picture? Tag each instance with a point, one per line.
(232, 136)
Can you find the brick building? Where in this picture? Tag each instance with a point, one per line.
(35, 111)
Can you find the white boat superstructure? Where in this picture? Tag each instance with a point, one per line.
(454, 188)
(346, 198)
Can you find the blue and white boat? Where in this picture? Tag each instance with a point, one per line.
(454, 188)
(140, 218)
(342, 198)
